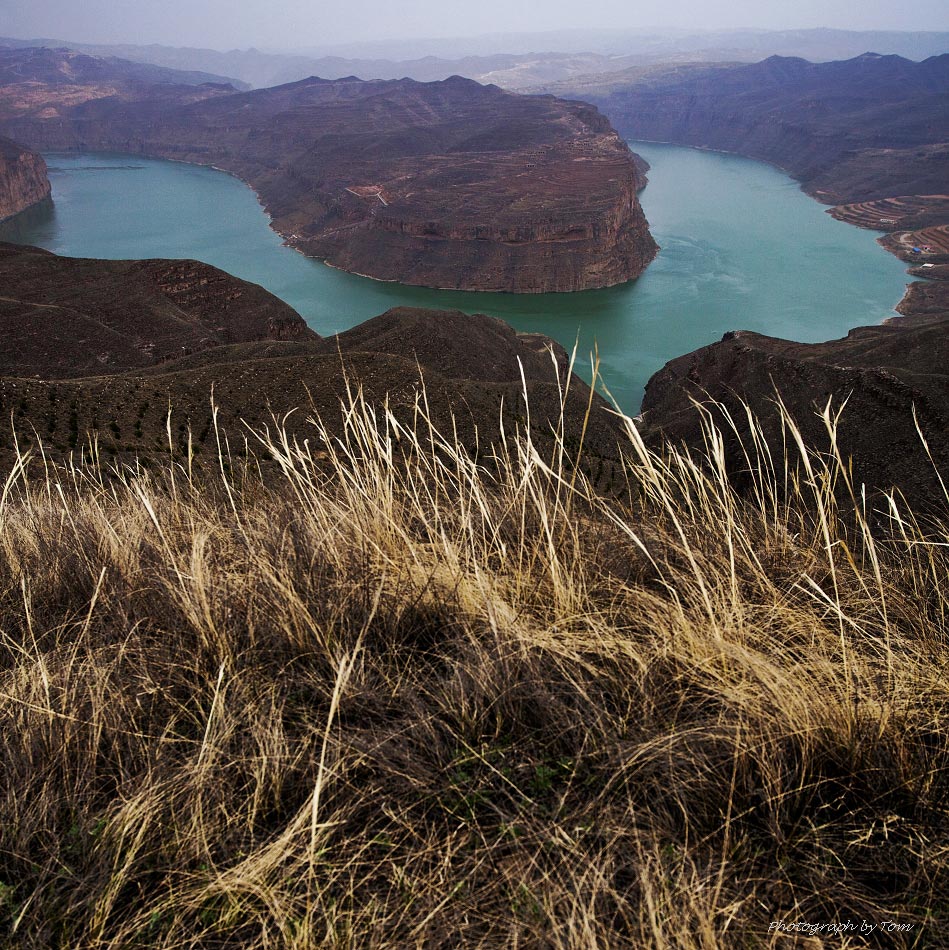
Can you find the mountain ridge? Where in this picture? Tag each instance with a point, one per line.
(820, 121)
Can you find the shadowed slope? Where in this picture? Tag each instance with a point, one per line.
(62, 316)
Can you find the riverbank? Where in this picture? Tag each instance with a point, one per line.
(916, 230)
(915, 227)
(924, 300)
(716, 273)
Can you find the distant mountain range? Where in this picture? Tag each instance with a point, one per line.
(522, 61)
(865, 128)
(61, 65)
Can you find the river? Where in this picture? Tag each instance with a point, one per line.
(742, 248)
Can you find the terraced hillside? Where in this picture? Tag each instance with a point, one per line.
(905, 212)
(926, 245)
(446, 184)
(63, 317)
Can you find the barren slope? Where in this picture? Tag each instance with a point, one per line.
(447, 184)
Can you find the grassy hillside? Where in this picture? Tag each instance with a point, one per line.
(406, 699)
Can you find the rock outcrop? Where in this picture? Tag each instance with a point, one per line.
(62, 317)
(885, 374)
(446, 184)
(23, 180)
(924, 300)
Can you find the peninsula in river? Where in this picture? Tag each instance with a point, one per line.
(447, 184)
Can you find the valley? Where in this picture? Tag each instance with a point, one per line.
(717, 271)
(342, 607)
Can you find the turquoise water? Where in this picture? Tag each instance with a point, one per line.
(742, 248)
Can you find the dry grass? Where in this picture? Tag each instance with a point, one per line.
(402, 700)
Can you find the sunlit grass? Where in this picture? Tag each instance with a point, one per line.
(395, 697)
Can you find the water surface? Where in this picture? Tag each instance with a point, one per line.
(742, 248)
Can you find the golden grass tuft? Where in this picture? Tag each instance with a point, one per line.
(397, 698)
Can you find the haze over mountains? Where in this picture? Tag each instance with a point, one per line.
(44, 64)
(520, 61)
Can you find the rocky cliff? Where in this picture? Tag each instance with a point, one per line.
(23, 180)
(446, 184)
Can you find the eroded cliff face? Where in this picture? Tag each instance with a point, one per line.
(23, 179)
(448, 184)
(518, 234)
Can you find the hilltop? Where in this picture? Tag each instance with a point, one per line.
(395, 693)
(447, 184)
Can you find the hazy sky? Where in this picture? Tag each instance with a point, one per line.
(225, 24)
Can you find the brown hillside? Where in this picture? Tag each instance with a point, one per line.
(127, 416)
(446, 184)
(63, 317)
(885, 374)
(98, 352)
